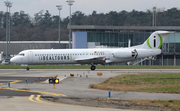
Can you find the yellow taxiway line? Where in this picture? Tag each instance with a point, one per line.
(37, 100)
(15, 72)
(7, 73)
(11, 82)
(48, 93)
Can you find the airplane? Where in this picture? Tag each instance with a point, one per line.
(150, 47)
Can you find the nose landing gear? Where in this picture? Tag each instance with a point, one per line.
(27, 68)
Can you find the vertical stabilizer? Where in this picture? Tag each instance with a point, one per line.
(155, 40)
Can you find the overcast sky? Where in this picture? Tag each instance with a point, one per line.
(87, 6)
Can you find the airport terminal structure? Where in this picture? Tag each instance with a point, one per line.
(90, 36)
(118, 36)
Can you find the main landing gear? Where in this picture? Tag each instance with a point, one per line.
(93, 68)
(27, 68)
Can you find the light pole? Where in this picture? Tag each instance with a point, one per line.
(59, 8)
(70, 2)
(8, 4)
(154, 16)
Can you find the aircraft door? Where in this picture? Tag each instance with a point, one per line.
(30, 56)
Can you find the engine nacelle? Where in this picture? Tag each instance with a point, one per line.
(125, 53)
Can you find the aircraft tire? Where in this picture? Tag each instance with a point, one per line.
(93, 68)
(27, 68)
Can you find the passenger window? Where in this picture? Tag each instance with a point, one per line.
(67, 57)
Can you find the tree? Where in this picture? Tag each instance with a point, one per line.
(38, 17)
(20, 19)
(44, 26)
(78, 18)
(47, 20)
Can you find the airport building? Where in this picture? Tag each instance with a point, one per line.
(118, 36)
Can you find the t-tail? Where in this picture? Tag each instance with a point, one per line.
(155, 40)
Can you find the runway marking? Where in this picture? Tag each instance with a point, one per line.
(7, 80)
(19, 98)
(24, 72)
(48, 93)
(4, 73)
(13, 82)
(34, 71)
(8, 73)
(37, 100)
(39, 71)
(31, 99)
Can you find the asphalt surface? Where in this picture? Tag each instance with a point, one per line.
(21, 80)
(36, 104)
(75, 87)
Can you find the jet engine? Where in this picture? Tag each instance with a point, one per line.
(125, 53)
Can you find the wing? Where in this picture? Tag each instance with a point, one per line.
(92, 60)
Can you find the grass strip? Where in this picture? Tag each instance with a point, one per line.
(152, 82)
(170, 104)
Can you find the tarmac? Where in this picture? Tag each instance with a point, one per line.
(71, 87)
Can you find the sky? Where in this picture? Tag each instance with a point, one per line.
(87, 6)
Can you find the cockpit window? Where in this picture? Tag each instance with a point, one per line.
(21, 54)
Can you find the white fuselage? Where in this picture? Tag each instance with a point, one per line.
(150, 47)
(82, 56)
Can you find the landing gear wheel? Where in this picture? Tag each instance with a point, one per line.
(93, 68)
(27, 68)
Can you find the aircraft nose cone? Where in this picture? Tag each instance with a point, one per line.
(12, 60)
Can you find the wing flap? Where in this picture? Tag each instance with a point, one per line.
(90, 58)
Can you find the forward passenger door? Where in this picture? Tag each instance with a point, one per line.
(30, 56)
